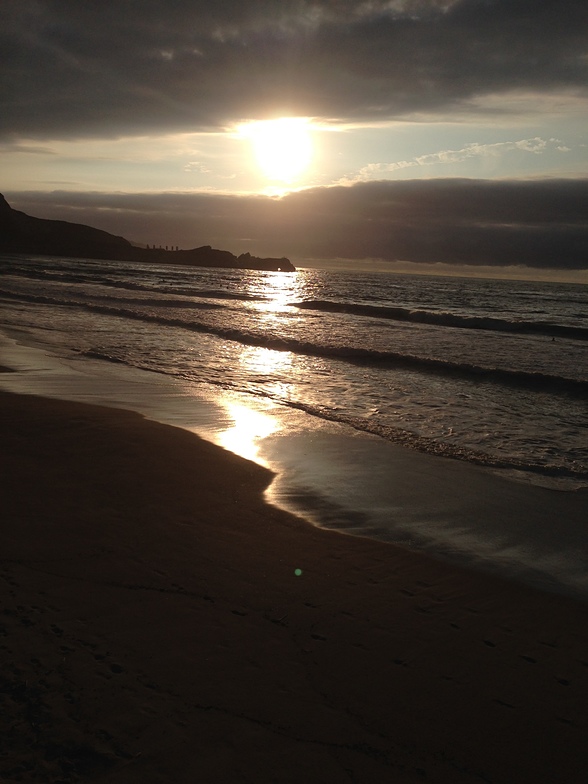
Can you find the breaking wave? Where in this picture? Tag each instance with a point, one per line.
(363, 356)
(446, 319)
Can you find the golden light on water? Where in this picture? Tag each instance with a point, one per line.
(280, 290)
(282, 148)
(275, 291)
(273, 368)
(274, 371)
(253, 422)
(249, 427)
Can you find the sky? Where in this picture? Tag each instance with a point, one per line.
(429, 133)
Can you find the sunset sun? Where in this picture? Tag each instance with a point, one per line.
(282, 148)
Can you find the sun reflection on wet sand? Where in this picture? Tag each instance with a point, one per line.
(249, 427)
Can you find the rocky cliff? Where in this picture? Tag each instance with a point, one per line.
(21, 233)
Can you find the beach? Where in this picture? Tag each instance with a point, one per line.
(162, 622)
(293, 392)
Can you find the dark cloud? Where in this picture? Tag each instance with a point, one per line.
(541, 224)
(101, 69)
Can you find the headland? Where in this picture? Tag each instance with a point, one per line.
(22, 233)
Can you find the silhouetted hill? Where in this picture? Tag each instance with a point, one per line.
(21, 233)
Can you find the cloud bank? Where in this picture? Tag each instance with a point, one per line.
(94, 69)
(535, 146)
(540, 224)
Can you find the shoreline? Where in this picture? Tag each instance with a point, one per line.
(341, 479)
(155, 629)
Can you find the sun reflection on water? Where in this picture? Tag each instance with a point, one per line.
(267, 369)
(276, 290)
(266, 363)
(249, 427)
(254, 421)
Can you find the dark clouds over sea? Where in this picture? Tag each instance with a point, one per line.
(92, 68)
(541, 224)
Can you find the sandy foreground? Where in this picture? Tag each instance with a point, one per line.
(153, 629)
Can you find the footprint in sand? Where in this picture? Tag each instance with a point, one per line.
(505, 704)
(566, 721)
(548, 643)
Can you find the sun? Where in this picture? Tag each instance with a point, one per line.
(282, 148)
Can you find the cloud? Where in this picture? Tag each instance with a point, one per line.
(26, 149)
(536, 145)
(103, 70)
(196, 166)
(537, 223)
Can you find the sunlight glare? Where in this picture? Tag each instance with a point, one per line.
(282, 148)
(249, 427)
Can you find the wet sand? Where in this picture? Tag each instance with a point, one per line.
(154, 629)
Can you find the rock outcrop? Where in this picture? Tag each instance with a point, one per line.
(21, 233)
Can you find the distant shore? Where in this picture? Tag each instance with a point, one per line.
(162, 623)
(23, 234)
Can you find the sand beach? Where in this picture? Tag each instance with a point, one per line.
(293, 385)
(161, 622)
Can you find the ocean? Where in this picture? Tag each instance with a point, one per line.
(335, 371)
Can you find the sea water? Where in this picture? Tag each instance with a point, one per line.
(488, 373)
